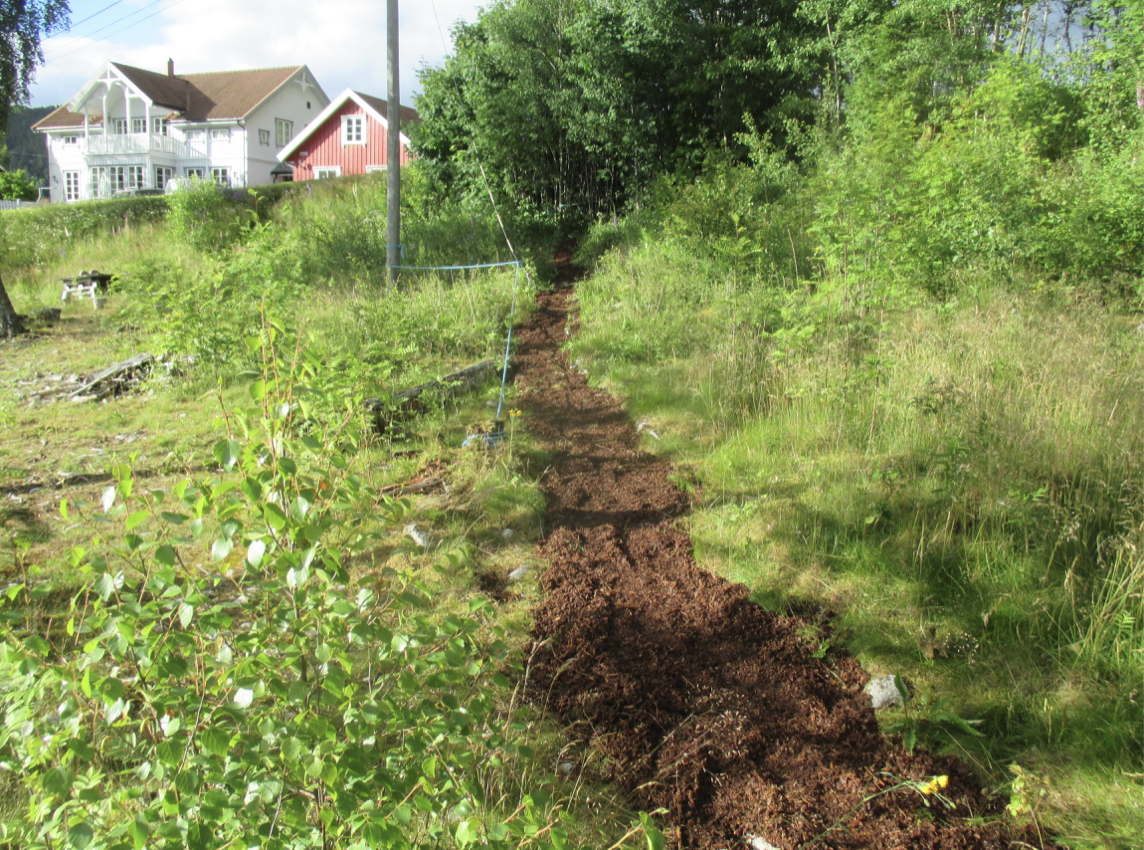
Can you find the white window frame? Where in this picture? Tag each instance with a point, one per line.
(163, 173)
(264, 137)
(221, 175)
(138, 125)
(71, 140)
(135, 176)
(195, 171)
(96, 177)
(158, 127)
(325, 172)
(71, 186)
(119, 126)
(283, 132)
(220, 134)
(193, 134)
(371, 169)
(353, 130)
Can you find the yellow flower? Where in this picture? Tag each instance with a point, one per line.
(935, 784)
(514, 413)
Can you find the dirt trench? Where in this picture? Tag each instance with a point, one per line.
(701, 701)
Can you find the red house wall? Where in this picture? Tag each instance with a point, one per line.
(324, 146)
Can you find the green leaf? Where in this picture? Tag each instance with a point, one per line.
(165, 555)
(81, 835)
(255, 551)
(227, 453)
(136, 518)
(221, 548)
(186, 613)
(215, 741)
(57, 781)
(291, 750)
(468, 832)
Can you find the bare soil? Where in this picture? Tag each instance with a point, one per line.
(701, 701)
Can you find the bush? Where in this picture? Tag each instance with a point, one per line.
(37, 235)
(17, 186)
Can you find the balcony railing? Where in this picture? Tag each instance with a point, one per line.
(140, 143)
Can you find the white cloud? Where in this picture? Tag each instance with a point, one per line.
(342, 41)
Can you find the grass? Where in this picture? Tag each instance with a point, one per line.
(370, 339)
(958, 482)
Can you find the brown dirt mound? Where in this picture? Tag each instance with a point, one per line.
(702, 702)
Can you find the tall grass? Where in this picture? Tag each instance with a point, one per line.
(931, 431)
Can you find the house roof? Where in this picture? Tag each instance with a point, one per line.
(61, 118)
(372, 105)
(408, 113)
(213, 95)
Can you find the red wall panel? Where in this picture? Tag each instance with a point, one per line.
(324, 146)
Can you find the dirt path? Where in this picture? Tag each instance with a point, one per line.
(702, 702)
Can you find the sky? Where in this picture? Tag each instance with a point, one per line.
(341, 41)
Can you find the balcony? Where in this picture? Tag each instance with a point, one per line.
(140, 143)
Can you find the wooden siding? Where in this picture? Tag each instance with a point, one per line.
(324, 146)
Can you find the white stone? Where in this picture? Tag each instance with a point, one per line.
(883, 692)
(506, 534)
(757, 842)
(519, 573)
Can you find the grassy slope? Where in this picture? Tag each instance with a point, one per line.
(373, 340)
(957, 483)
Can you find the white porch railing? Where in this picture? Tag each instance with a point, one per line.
(129, 143)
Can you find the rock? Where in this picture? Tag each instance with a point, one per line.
(883, 692)
(519, 573)
(757, 842)
(565, 768)
(417, 535)
(507, 534)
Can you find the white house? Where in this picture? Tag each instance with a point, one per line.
(128, 128)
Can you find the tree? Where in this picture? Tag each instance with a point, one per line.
(17, 186)
(585, 102)
(23, 25)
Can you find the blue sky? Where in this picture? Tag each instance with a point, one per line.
(342, 41)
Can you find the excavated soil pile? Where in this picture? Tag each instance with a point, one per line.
(701, 701)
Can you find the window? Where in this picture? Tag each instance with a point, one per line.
(221, 176)
(158, 127)
(119, 126)
(370, 169)
(71, 140)
(353, 129)
(195, 172)
(98, 188)
(120, 177)
(71, 185)
(220, 133)
(324, 171)
(194, 135)
(263, 137)
(138, 125)
(162, 175)
(283, 132)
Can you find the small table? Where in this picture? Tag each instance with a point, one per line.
(85, 283)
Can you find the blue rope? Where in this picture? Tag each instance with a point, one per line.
(453, 268)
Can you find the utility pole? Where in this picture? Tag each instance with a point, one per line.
(393, 150)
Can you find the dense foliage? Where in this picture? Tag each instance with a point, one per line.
(17, 186)
(23, 24)
(578, 104)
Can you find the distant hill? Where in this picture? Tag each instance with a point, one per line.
(26, 149)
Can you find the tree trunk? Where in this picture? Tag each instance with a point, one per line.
(10, 324)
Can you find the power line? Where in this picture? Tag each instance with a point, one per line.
(118, 31)
(105, 26)
(89, 17)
